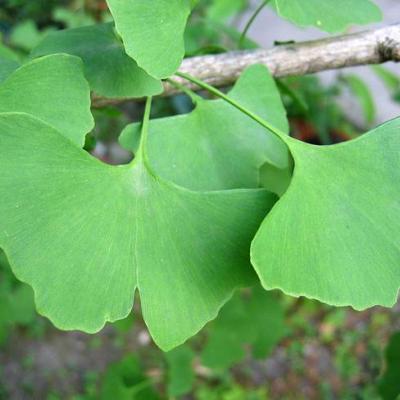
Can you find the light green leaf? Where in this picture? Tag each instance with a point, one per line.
(180, 370)
(84, 235)
(334, 235)
(227, 147)
(389, 384)
(328, 15)
(256, 320)
(53, 89)
(152, 32)
(109, 70)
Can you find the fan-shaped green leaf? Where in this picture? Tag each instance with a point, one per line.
(53, 89)
(334, 235)
(227, 147)
(256, 320)
(85, 235)
(152, 32)
(109, 70)
(328, 15)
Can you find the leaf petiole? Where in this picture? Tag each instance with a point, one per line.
(193, 96)
(235, 104)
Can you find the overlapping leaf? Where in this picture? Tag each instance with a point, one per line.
(330, 16)
(334, 235)
(227, 147)
(85, 235)
(152, 32)
(54, 89)
(109, 70)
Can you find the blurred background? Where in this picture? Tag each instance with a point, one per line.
(289, 348)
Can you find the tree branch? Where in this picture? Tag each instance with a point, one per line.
(368, 47)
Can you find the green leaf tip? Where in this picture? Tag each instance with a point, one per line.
(152, 32)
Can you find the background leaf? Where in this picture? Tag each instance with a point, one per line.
(255, 320)
(327, 15)
(109, 70)
(389, 386)
(180, 371)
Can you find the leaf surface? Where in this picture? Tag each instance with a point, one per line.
(152, 32)
(109, 70)
(85, 235)
(335, 234)
(227, 147)
(327, 15)
(54, 89)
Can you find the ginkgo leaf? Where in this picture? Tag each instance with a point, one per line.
(152, 32)
(256, 320)
(227, 147)
(335, 234)
(327, 15)
(54, 89)
(109, 70)
(85, 234)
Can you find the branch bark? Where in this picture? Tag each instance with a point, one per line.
(362, 48)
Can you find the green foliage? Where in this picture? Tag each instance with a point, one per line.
(255, 319)
(122, 255)
(152, 32)
(218, 135)
(109, 70)
(176, 223)
(53, 89)
(389, 385)
(333, 235)
(330, 16)
(125, 380)
(16, 301)
(181, 375)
